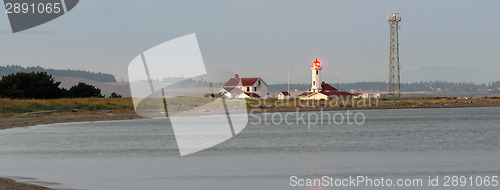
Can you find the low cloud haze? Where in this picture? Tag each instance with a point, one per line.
(266, 38)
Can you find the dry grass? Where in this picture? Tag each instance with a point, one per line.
(12, 106)
(438, 100)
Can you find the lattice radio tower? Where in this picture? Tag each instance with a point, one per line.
(394, 86)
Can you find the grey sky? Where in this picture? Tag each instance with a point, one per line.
(264, 38)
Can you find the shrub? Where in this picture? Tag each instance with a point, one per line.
(32, 85)
(115, 95)
(83, 90)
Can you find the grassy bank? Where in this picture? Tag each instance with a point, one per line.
(125, 105)
(12, 106)
(358, 102)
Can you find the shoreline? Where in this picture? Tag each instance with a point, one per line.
(10, 184)
(22, 120)
(382, 106)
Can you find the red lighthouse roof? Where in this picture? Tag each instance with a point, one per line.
(317, 63)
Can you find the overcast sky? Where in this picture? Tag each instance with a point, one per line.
(264, 38)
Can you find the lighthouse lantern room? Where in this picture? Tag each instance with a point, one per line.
(316, 76)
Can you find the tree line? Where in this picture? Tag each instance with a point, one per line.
(405, 87)
(100, 77)
(40, 85)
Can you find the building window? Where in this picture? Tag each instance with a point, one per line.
(255, 89)
(259, 82)
(248, 89)
(314, 82)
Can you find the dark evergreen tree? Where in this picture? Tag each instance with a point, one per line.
(83, 90)
(115, 95)
(32, 85)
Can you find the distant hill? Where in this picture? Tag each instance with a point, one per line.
(449, 74)
(99, 77)
(106, 87)
(405, 87)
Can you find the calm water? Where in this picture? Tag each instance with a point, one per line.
(142, 154)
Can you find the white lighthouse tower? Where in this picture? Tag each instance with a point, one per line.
(316, 76)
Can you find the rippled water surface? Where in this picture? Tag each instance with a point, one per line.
(143, 154)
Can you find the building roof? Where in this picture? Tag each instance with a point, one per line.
(249, 81)
(336, 93)
(330, 93)
(326, 87)
(242, 81)
(233, 82)
(285, 93)
(233, 90)
(327, 90)
(307, 93)
(252, 95)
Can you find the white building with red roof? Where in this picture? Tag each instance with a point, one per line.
(284, 95)
(244, 88)
(321, 91)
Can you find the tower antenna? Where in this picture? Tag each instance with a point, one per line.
(338, 84)
(394, 83)
(288, 80)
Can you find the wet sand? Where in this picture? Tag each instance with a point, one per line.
(8, 184)
(23, 121)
